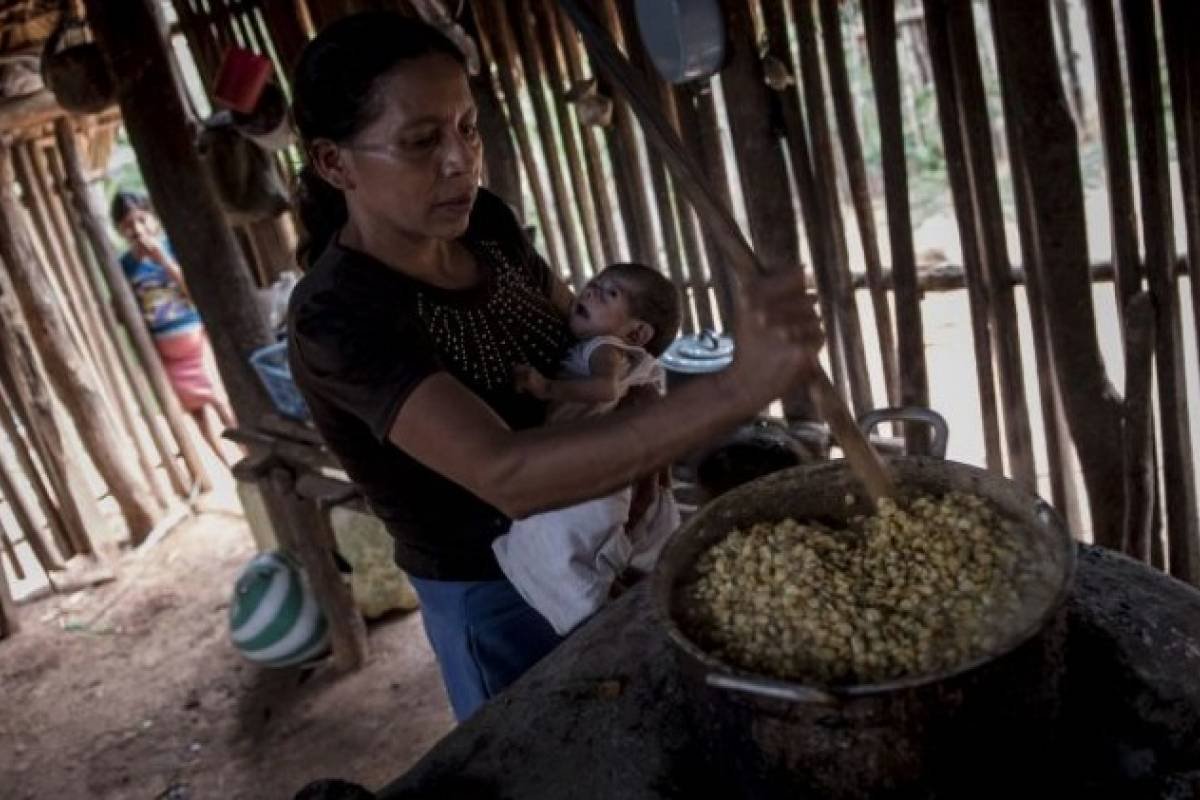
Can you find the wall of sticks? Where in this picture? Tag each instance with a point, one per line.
(820, 131)
(808, 89)
(95, 449)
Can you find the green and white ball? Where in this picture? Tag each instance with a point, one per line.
(274, 619)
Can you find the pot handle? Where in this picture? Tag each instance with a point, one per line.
(941, 431)
(776, 690)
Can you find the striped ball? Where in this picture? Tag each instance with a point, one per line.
(274, 619)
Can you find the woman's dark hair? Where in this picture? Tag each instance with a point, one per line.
(654, 300)
(334, 97)
(125, 203)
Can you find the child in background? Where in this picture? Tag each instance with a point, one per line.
(565, 562)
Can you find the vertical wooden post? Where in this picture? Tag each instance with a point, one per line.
(658, 173)
(856, 173)
(530, 56)
(110, 370)
(10, 624)
(63, 364)
(825, 173)
(598, 179)
(1063, 17)
(1137, 439)
(1181, 20)
(762, 169)
(1122, 218)
(1158, 240)
(880, 21)
(126, 307)
(976, 132)
(47, 243)
(628, 169)
(964, 214)
(554, 71)
(287, 31)
(697, 113)
(26, 448)
(22, 510)
(27, 386)
(500, 155)
(496, 40)
(304, 531)
(1050, 188)
(131, 35)
(1063, 486)
(812, 207)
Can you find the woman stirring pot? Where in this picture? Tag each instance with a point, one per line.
(422, 294)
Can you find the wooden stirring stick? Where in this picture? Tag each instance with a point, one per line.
(610, 63)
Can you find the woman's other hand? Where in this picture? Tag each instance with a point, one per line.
(778, 334)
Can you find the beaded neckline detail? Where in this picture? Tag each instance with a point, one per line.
(480, 343)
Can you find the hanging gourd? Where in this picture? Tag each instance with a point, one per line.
(75, 70)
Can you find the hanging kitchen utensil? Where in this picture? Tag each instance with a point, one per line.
(684, 38)
(241, 79)
(267, 123)
(75, 70)
(245, 176)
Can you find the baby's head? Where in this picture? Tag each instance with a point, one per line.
(632, 302)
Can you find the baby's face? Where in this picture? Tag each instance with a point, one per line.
(602, 308)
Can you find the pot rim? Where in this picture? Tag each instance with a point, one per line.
(664, 582)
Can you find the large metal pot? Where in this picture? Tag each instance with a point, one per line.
(962, 732)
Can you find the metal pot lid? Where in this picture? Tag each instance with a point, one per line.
(699, 353)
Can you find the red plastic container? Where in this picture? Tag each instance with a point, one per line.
(240, 79)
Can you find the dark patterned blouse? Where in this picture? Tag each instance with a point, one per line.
(363, 336)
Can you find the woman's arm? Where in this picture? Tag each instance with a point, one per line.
(446, 427)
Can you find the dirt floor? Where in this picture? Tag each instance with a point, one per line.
(132, 690)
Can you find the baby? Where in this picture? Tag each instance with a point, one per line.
(564, 562)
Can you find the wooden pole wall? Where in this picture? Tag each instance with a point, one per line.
(112, 372)
(856, 174)
(812, 208)
(880, 20)
(28, 454)
(145, 370)
(28, 388)
(825, 172)
(1051, 189)
(1159, 242)
(554, 70)
(659, 180)
(606, 212)
(622, 138)
(532, 67)
(63, 364)
(497, 43)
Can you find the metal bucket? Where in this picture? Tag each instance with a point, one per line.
(929, 735)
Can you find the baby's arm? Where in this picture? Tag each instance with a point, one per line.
(602, 386)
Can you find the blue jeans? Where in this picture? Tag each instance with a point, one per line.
(484, 635)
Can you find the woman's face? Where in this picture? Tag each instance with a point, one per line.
(416, 166)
